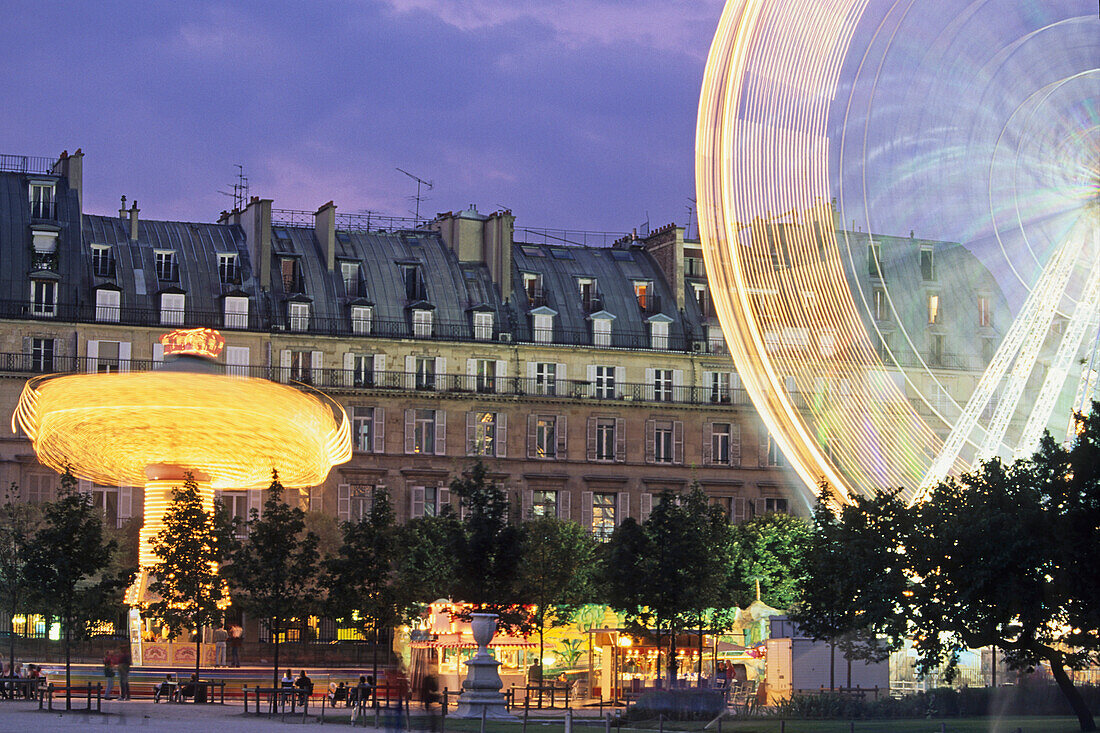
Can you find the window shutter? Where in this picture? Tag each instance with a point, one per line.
(444, 495)
(125, 503)
(124, 356)
(591, 447)
(559, 377)
(530, 386)
(379, 430)
(349, 366)
(416, 507)
(560, 433)
(441, 432)
(441, 372)
(502, 374)
(316, 367)
(93, 357)
(762, 447)
(586, 509)
(532, 433)
(564, 511)
(678, 441)
(471, 428)
(738, 509)
(343, 502)
(620, 440)
(761, 507)
(502, 435)
(620, 380)
(645, 506)
(410, 427)
(591, 381)
(708, 438)
(648, 388)
(527, 499)
(28, 346)
(410, 372)
(735, 444)
(650, 441)
(708, 387)
(255, 502)
(624, 507)
(677, 382)
(284, 365)
(471, 374)
(379, 366)
(158, 352)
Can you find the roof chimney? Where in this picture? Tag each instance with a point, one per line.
(324, 228)
(122, 209)
(134, 221)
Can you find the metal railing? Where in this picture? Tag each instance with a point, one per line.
(580, 237)
(44, 209)
(463, 331)
(26, 164)
(339, 380)
(365, 221)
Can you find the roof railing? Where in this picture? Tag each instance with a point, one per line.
(34, 164)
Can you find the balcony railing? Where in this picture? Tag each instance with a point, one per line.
(340, 380)
(345, 327)
(26, 164)
(44, 209)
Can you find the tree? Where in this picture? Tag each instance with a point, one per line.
(555, 573)
(273, 575)
(486, 559)
(190, 592)
(17, 523)
(361, 577)
(771, 549)
(67, 563)
(428, 565)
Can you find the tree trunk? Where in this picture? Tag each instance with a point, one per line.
(374, 663)
(275, 634)
(1072, 694)
(542, 646)
(198, 653)
(11, 637)
(671, 657)
(699, 665)
(68, 668)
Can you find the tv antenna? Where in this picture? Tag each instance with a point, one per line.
(419, 183)
(240, 190)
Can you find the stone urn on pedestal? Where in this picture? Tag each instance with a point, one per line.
(481, 689)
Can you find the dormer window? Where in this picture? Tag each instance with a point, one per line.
(171, 309)
(589, 297)
(43, 298)
(42, 203)
(299, 316)
(361, 316)
(641, 293)
(103, 265)
(658, 331)
(422, 323)
(927, 265)
(236, 311)
(483, 325)
(227, 268)
(542, 324)
(349, 272)
(601, 328)
(107, 305)
(874, 260)
(413, 277)
(702, 298)
(292, 276)
(165, 263)
(532, 285)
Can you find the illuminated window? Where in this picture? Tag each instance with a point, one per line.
(544, 503)
(985, 316)
(546, 436)
(107, 305)
(165, 263)
(299, 316)
(933, 309)
(546, 377)
(532, 286)
(483, 435)
(603, 515)
(423, 431)
(880, 304)
(227, 268)
(485, 375)
(102, 263)
(641, 293)
(171, 309)
(662, 442)
(483, 326)
(44, 298)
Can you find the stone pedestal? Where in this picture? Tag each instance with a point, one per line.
(481, 693)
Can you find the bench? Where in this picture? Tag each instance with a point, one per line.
(24, 688)
(88, 691)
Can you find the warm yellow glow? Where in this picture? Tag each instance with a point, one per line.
(625, 641)
(110, 427)
(774, 262)
(194, 341)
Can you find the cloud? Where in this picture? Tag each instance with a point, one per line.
(663, 25)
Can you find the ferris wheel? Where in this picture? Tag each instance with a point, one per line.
(826, 131)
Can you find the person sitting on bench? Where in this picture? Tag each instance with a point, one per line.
(338, 694)
(189, 688)
(166, 687)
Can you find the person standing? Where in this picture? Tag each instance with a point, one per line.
(234, 642)
(429, 695)
(124, 661)
(109, 673)
(220, 637)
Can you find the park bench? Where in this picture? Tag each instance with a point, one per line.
(75, 691)
(22, 688)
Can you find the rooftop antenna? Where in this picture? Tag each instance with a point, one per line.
(690, 218)
(419, 182)
(240, 190)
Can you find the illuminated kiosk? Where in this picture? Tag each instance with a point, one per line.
(151, 428)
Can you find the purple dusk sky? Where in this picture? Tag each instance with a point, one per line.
(577, 114)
